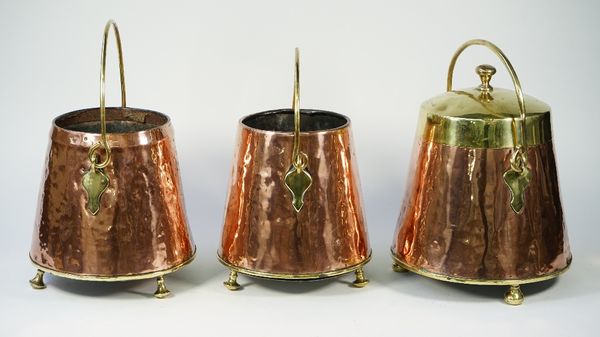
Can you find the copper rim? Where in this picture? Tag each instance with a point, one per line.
(158, 126)
(303, 112)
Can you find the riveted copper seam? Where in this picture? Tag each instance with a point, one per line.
(263, 235)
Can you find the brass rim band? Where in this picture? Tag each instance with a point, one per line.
(283, 276)
(103, 143)
(446, 278)
(118, 278)
(513, 75)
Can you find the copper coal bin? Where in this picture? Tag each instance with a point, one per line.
(482, 204)
(111, 206)
(294, 208)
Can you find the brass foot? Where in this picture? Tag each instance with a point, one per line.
(514, 295)
(161, 289)
(37, 282)
(361, 280)
(398, 268)
(231, 283)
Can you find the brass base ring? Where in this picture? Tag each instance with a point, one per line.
(117, 278)
(294, 277)
(477, 281)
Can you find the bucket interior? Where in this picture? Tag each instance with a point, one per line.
(118, 120)
(283, 120)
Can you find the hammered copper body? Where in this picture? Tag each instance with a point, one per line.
(111, 205)
(262, 234)
(141, 227)
(454, 222)
(482, 204)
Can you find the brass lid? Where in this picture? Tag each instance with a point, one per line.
(484, 116)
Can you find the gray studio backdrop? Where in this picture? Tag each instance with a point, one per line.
(208, 63)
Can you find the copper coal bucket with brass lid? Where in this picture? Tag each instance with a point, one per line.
(294, 209)
(482, 204)
(111, 206)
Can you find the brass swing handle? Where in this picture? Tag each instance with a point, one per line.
(298, 180)
(95, 181)
(296, 155)
(517, 177)
(103, 143)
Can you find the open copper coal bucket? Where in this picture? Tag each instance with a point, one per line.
(482, 204)
(111, 206)
(294, 208)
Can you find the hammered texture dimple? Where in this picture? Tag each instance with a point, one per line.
(141, 226)
(457, 221)
(262, 231)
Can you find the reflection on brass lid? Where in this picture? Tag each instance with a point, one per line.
(483, 117)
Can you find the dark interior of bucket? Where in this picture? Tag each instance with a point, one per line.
(283, 120)
(118, 120)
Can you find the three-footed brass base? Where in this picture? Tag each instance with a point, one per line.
(361, 280)
(398, 268)
(231, 283)
(514, 295)
(161, 288)
(37, 282)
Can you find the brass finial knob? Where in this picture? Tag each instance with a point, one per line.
(485, 72)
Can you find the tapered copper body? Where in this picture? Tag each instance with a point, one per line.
(262, 234)
(482, 204)
(141, 229)
(456, 221)
(111, 205)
